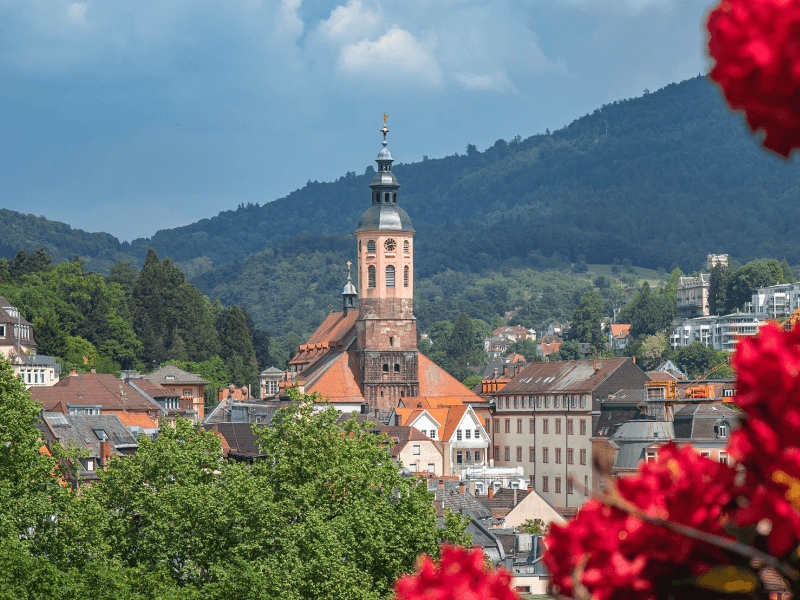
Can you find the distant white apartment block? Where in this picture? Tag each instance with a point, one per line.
(775, 301)
(719, 333)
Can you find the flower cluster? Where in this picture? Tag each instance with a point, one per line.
(617, 555)
(459, 575)
(756, 46)
(768, 444)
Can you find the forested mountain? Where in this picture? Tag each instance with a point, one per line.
(660, 180)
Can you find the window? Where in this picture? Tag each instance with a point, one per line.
(486, 425)
(583, 401)
(558, 426)
(508, 425)
(570, 456)
(574, 401)
(459, 458)
(545, 484)
(508, 453)
(725, 393)
(650, 455)
(507, 400)
(415, 450)
(468, 433)
(538, 402)
(371, 276)
(519, 453)
(405, 245)
(477, 434)
(531, 454)
(723, 458)
(570, 428)
(387, 197)
(431, 468)
(2, 331)
(497, 452)
(585, 485)
(371, 246)
(389, 276)
(569, 486)
(458, 435)
(405, 276)
(519, 425)
(556, 402)
(545, 425)
(187, 393)
(583, 456)
(396, 367)
(705, 454)
(722, 430)
(532, 426)
(558, 456)
(385, 367)
(100, 434)
(516, 401)
(545, 455)
(433, 434)
(547, 401)
(477, 456)
(497, 425)
(583, 426)
(558, 485)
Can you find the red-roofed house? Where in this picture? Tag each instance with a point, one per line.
(368, 352)
(618, 336)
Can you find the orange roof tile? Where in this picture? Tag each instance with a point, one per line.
(454, 415)
(432, 402)
(132, 419)
(334, 328)
(341, 381)
(435, 381)
(620, 329)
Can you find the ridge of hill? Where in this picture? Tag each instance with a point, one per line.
(661, 180)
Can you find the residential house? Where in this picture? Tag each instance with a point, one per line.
(97, 393)
(515, 506)
(619, 335)
(693, 296)
(543, 420)
(560, 330)
(456, 429)
(498, 346)
(239, 441)
(188, 386)
(712, 260)
(548, 345)
(99, 436)
(19, 346)
(515, 333)
(415, 451)
(268, 382)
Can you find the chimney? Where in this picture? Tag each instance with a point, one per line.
(94, 371)
(105, 454)
(515, 498)
(490, 491)
(594, 363)
(441, 484)
(460, 487)
(73, 373)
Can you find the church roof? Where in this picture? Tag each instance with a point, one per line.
(435, 381)
(341, 380)
(385, 217)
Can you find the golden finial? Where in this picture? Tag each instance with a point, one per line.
(385, 116)
(348, 269)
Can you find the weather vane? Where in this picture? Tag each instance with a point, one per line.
(384, 131)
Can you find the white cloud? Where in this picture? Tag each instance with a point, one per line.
(498, 82)
(288, 23)
(397, 57)
(76, 12)
(352, 22)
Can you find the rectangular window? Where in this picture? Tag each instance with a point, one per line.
(650, 455)
(459, 458)
(532, 454)
(516, 401)
(507, 401)
(389, 276)
(416, 450)
(519, 425)
(569, 486)
(558, 456)
(497, 452)
(371, 276)
(583, 401)
(477, 434)
(583, 426)
(468, 433)
(570, 456)
(507, 454)
(705, 454)
(570, 428)
(519, 453)
(497, 425)
(556, 402)
(431, 468)
(547, 401)
(486, 424)
(558, 426)
(187, 393)
(545, 426)
(583, 456)
(90, 464)
(538, 402)
(544, 484)
(2, 331)
(723, 458)
(558, 485)
(508, 425)
(433, 434)
(585, 485)
(458, 435)
(545, 455)
(532, 426)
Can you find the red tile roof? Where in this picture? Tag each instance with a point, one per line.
(403, 435)
(574, 376)
(133, 419)
(435, 381)
(96, 389)
(620, 330)
(341, 381)
(154, 390)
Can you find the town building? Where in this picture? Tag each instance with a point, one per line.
(543, 422)
(414, 450)
(719, 333)
(239, 441)
(547, 345)
(18, 345)
(775, 301)
(515, 333)
(712, 260)
(497, 346)
(268, 382)
(367, 353)
(188, 387)
(619, 335)
(693, 296)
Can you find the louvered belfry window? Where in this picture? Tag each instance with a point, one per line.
(371, 276)
(405, 276)
(390, 276)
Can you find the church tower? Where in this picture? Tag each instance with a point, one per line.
(386, 329)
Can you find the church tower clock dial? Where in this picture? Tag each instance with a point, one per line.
(386, 328)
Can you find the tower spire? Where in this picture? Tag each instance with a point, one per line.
(349, 294)
(384, 131)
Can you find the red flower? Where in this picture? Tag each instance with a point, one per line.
(459, 575)
(756, 45)
(623, 557)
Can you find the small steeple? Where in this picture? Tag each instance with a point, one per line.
(349, 294)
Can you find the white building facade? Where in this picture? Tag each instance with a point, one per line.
(775, 301)
(719, 333)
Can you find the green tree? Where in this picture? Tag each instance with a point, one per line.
(696, 360)
(651, 350)
(461, 346)
(718, 290)
(51, 340)
(534, 526)
(472, 381)
(569, 350)
(586, 321)
(525, 347)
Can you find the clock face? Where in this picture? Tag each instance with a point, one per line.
(390, 245)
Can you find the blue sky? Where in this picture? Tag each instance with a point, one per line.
(134, 116)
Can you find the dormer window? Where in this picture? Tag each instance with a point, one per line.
(169, 377)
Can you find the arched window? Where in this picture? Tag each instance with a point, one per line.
(378, 197)
(371, 246)
(394, 197)
(385, 367)
(396, 367)
(386, 197)
(405, 276)
(389, 276)
(405, 246)
(371, 276)
(359, 245)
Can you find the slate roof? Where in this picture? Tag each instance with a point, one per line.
(577, 376)
(179, 376)
(84, 431)
(240, 438)
(611, 417)
(154, 390)
(645, 430)
(6, 318)
(463, 503)
(503, 501)
(94, 389)
(697, 421)
(634, 396)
